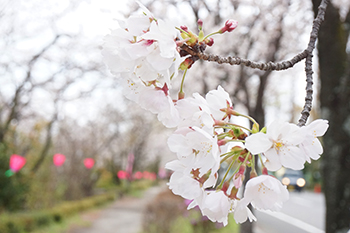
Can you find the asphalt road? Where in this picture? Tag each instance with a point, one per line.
(303, 213)
(123, 216)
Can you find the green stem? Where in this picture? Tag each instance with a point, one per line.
(236, 140)
(223, 179)
(238, 126)
(250, 118)
(234, 173)
(172, 76)
(183, 31)
(183, 81)
(246, 158)
(253, 163)
(211, 34)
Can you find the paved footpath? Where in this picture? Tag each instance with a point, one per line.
(123, 216)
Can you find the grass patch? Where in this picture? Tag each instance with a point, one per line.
(63, 226)
(184, 224)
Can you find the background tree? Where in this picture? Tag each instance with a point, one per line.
(334, 67)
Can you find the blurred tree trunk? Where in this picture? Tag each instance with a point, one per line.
(335, 98)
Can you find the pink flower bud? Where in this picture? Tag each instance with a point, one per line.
(184, 28)
(230, 25)
(200, 24)
(209, 41)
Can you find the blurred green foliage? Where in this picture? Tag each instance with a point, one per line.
(29, 221)
(12, 189)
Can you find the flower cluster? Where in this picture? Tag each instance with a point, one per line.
(143, 54)
(213, 150)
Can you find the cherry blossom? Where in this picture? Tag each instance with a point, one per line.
(265, 192)
(241, 212)
(216, 206)
(198, 146)
(146, 54)
(279, 145)
(185, 181)
(217, 100)
(311, 146)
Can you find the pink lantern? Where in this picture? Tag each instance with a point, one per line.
(122, 174)
(138, 175)
(89, 163)
(152, 176)
(146, 175)
(58, 159)
(16, 162)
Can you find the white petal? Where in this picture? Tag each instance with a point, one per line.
(276, 128)
(318, 126)
(273, 162)
(258, 143)
(174, 165)
(292, 158)
(294, 136)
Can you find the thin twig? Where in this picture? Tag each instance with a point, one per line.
(242, 61)
(268, 66)
(308, 62)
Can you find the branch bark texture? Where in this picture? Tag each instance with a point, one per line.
(277, 66)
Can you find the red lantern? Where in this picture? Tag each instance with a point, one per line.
(89, 163)
(16, 162)
(58, 159)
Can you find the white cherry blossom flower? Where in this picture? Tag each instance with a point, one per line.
(198, 144)
(194, 112)
(216, 206)
(145, 47)
(183, 182)
(279, 145)
(218, 99)
(265, 192)
(241, 212)
(311, 146)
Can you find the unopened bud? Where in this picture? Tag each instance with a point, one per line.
(264, 171)
(241, 169)
(200, 24)
(186, 64)
(222, 142)
(184, 28)
(181, 95)
(209, 41)
(253, 174)
(230, 25)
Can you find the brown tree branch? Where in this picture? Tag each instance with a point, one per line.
(242, 61)
(308, 62)
(270, 66)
